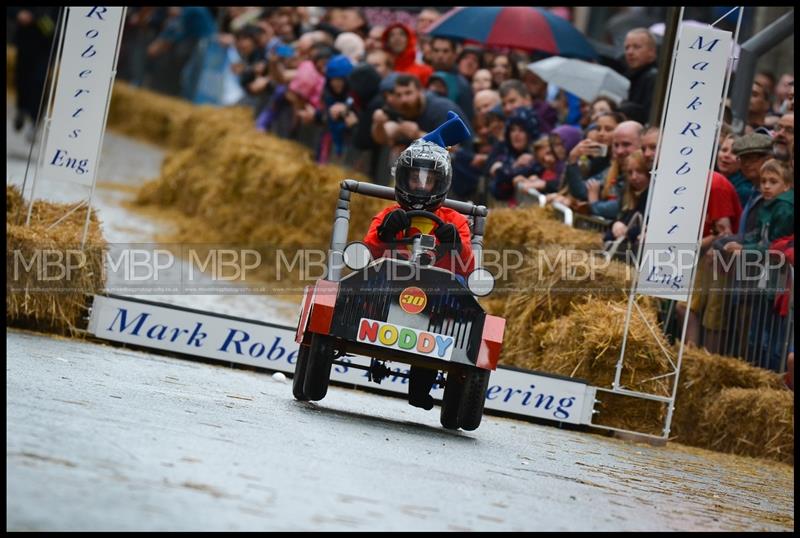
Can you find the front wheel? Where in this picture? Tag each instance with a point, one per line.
(473, 398)
(451, 402)
(299, 378)
(318, 369)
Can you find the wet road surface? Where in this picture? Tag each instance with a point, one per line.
(101, 437)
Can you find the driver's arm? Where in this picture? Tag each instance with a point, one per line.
(373, 242)
(467, 259)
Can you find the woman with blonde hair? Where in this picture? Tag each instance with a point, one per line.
(634, 200)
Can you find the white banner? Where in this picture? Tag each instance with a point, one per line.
(684, 163)
(85, 73)
(216, 336)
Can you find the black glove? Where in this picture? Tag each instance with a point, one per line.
(448, 236)
(393, 223)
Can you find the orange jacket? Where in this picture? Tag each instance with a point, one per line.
(463, 267)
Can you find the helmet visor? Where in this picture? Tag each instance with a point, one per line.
(421, 182)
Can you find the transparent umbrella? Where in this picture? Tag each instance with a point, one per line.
(586, 80)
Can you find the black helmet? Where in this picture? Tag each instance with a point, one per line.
(422, 175)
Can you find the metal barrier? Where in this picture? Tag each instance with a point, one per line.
(531, 195)
(745, 309)
(594, 223)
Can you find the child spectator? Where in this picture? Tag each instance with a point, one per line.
(444, 84)
(634, 201)
(338, 112)
(562, 139)
(775, 219)
(545, 181)
(512, 161)
(775, 214)
(305, 91)
(728, 165)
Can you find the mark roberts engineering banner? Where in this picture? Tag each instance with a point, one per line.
(85, 73)
(230, 339)
(684, 164)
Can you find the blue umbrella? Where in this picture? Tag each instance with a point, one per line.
(520, 27)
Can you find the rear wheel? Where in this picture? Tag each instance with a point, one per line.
(318, 368)
(299, 378)
(451, 402)
(474, 398)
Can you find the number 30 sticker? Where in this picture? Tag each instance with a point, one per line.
(413, 300)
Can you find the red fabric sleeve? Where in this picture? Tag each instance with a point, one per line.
(466, 264)
(723, 201)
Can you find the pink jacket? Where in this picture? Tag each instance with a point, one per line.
(308, 83)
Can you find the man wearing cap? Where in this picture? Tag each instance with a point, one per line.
(753, 150)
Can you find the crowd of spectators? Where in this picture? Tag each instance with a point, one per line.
(357, 93)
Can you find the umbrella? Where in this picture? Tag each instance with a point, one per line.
(528, 28)
(584, 79)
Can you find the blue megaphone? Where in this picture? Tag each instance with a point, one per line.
(450, 133)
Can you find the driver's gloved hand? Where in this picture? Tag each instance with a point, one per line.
(396, 221)
(426, 258)
(448, 237)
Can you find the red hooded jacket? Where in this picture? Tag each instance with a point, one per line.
(463, 267)
(405, 62)
(785, 245)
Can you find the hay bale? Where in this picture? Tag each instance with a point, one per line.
(48, 296)
(534, 226)
(702, 378)
(630, 413)
(14, 203)
(551, 275)
(551, 284)
(148, 116)
(252, 188)
(586, 344)
(236, 185)
(751, 422)
(11, 64)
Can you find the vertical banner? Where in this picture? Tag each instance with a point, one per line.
(684, 163)
(85, 74)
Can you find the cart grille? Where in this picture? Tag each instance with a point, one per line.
(451, 309)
